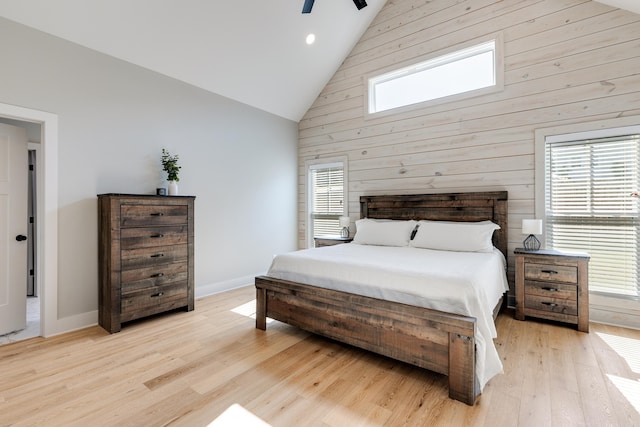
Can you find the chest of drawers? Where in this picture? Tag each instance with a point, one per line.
(145, 256)
(553, 285)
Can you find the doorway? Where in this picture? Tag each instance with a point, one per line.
(31, 288)
(47, 208)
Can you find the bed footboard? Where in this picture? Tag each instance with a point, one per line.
(434, 340)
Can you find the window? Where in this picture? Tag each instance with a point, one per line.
(326, 199)
(590, 207)
(464, 71)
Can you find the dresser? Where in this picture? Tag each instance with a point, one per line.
(553, 285)
(145, 256)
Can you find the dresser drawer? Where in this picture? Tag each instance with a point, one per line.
(144, 302)
(149, 257)
(551, 272)
(149, 215)
(145, 237)
(156, 275)
(552, 305)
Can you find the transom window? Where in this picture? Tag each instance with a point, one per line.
(464, 71)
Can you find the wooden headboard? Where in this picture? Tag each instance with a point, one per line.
(467, 207)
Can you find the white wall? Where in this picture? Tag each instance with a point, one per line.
(570, 61)
(114, 118)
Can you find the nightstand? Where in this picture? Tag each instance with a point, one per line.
(553, 285)
(331, 240)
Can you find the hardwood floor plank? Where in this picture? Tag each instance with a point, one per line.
(596, 403)
(187, 368)
(566, 408)
(563, 374)
(503, 409)
(535, 390)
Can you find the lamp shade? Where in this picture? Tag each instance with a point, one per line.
(531, 226)
(344, 221)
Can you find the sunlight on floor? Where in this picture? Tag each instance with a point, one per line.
(627, 348)
(249, 310)
(630, 389)
(236, 415)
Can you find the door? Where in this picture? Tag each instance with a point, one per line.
(13, 228)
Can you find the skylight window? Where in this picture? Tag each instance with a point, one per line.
(465, 71)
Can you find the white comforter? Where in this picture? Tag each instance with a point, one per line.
(466, 283)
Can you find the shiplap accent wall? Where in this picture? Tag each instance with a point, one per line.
(566, 61)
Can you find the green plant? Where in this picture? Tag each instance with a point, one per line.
(170, 165)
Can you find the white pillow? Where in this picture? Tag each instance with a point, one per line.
(455, 236)
(383, 232)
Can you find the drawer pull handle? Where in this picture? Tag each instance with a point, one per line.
(157, 235)
(550, 304)
(550, 271)
(157, 214)
(157, 255)
(550, 289)
(159, 294)
(157, 275)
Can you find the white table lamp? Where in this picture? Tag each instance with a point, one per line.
(531, 227)
(344, 226)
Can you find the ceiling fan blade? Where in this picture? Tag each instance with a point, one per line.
(308, 4)
(360, 3)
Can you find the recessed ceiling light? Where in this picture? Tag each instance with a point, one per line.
(311, 38)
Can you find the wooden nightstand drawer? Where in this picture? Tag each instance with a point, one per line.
(550, 272)
(552, 305)
(551, 290)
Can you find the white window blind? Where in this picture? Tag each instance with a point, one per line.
(327, 199)
(590, 207)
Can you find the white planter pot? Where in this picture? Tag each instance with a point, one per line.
(173, 188)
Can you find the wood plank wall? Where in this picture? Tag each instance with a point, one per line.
(566, 61)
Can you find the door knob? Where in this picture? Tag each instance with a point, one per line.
(21, 238)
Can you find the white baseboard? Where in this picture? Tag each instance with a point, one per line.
(227, 285)
(90, 318)
(614, 311)
(73, 323)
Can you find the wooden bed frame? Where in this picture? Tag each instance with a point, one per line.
(438, 341)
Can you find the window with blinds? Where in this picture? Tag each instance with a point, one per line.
(327, 198)
(591, 205)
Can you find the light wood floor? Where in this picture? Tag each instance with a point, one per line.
(185, 369)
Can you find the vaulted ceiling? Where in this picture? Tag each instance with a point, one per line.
(251, 51)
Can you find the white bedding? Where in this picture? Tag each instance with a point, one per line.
(466, 283)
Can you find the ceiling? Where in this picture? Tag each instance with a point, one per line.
(252, 51)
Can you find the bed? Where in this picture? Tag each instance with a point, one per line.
(441, 341)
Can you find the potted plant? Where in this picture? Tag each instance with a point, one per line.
(170, 166)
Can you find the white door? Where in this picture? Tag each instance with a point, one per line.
(13, 227)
